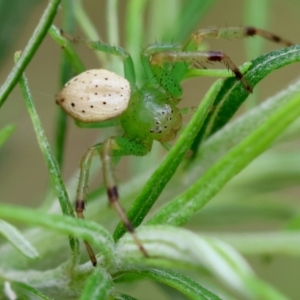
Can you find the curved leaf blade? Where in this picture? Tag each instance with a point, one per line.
(98, 286)
(30, 49)
(18, 240)
(170, 247)
(122, 297)
(233, 133)
(194, 198)
(83, 229)
(178, 281)
(233, 93)
(29, 289)
(167, 168)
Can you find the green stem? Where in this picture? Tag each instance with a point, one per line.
(167, 168)
(194, 198)
(113, 32)
(49, 158)
(83, 229)
(29, 51)
(66, 72)
(88, 28)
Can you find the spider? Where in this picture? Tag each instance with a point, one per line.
(145, 114)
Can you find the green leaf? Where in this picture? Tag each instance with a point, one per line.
(226, 138)
(30, 49)
(285, 242)
(168, 247)
(167, 168)
(98, 286)
(71, 55)
(22, 13)
(17, 240)
(31, 290)
(66, 73)
(83, 229)
(5, 133)
(194, 198)
(49, 158)
(122, 297)
(233, 93)
(179, 282)
(187, 249)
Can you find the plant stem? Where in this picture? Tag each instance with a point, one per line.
(29, 51)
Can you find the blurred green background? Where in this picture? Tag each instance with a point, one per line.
(23, 174)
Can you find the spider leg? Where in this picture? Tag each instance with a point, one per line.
(112, 191)
(234, 32)
(227, 33)
(159, 55)
(85, 165)
(110, 148)
(252, 31)
(199, 57)
(109, 49)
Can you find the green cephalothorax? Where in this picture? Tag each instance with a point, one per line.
(168, 81)
(151, 115)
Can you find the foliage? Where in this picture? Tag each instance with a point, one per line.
(195, 264)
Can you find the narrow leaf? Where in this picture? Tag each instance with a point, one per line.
(98, 286)
(18, 240)
(66, 73)
(29, 51)
(179, 282)
(233, 93)
(167, 168)
(226, 138)
(122, 297)
(285, 242)
(5, 133)
(69, 52)
(171, 247)
(83, 229)
(46, 149)
(31, 290)
(194, 198)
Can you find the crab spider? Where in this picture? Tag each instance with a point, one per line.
(146, 114)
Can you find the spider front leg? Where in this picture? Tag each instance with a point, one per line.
(197, 59)
(117, 51)
(233, 32)
(188, 53)
(110, 148)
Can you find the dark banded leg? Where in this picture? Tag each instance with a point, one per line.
(112, 191)
(236, 32)
(220, 56)
(252, 31)
(120, 146)
(197, 58)
(85, 165)
(188, 51)
(80, 206)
